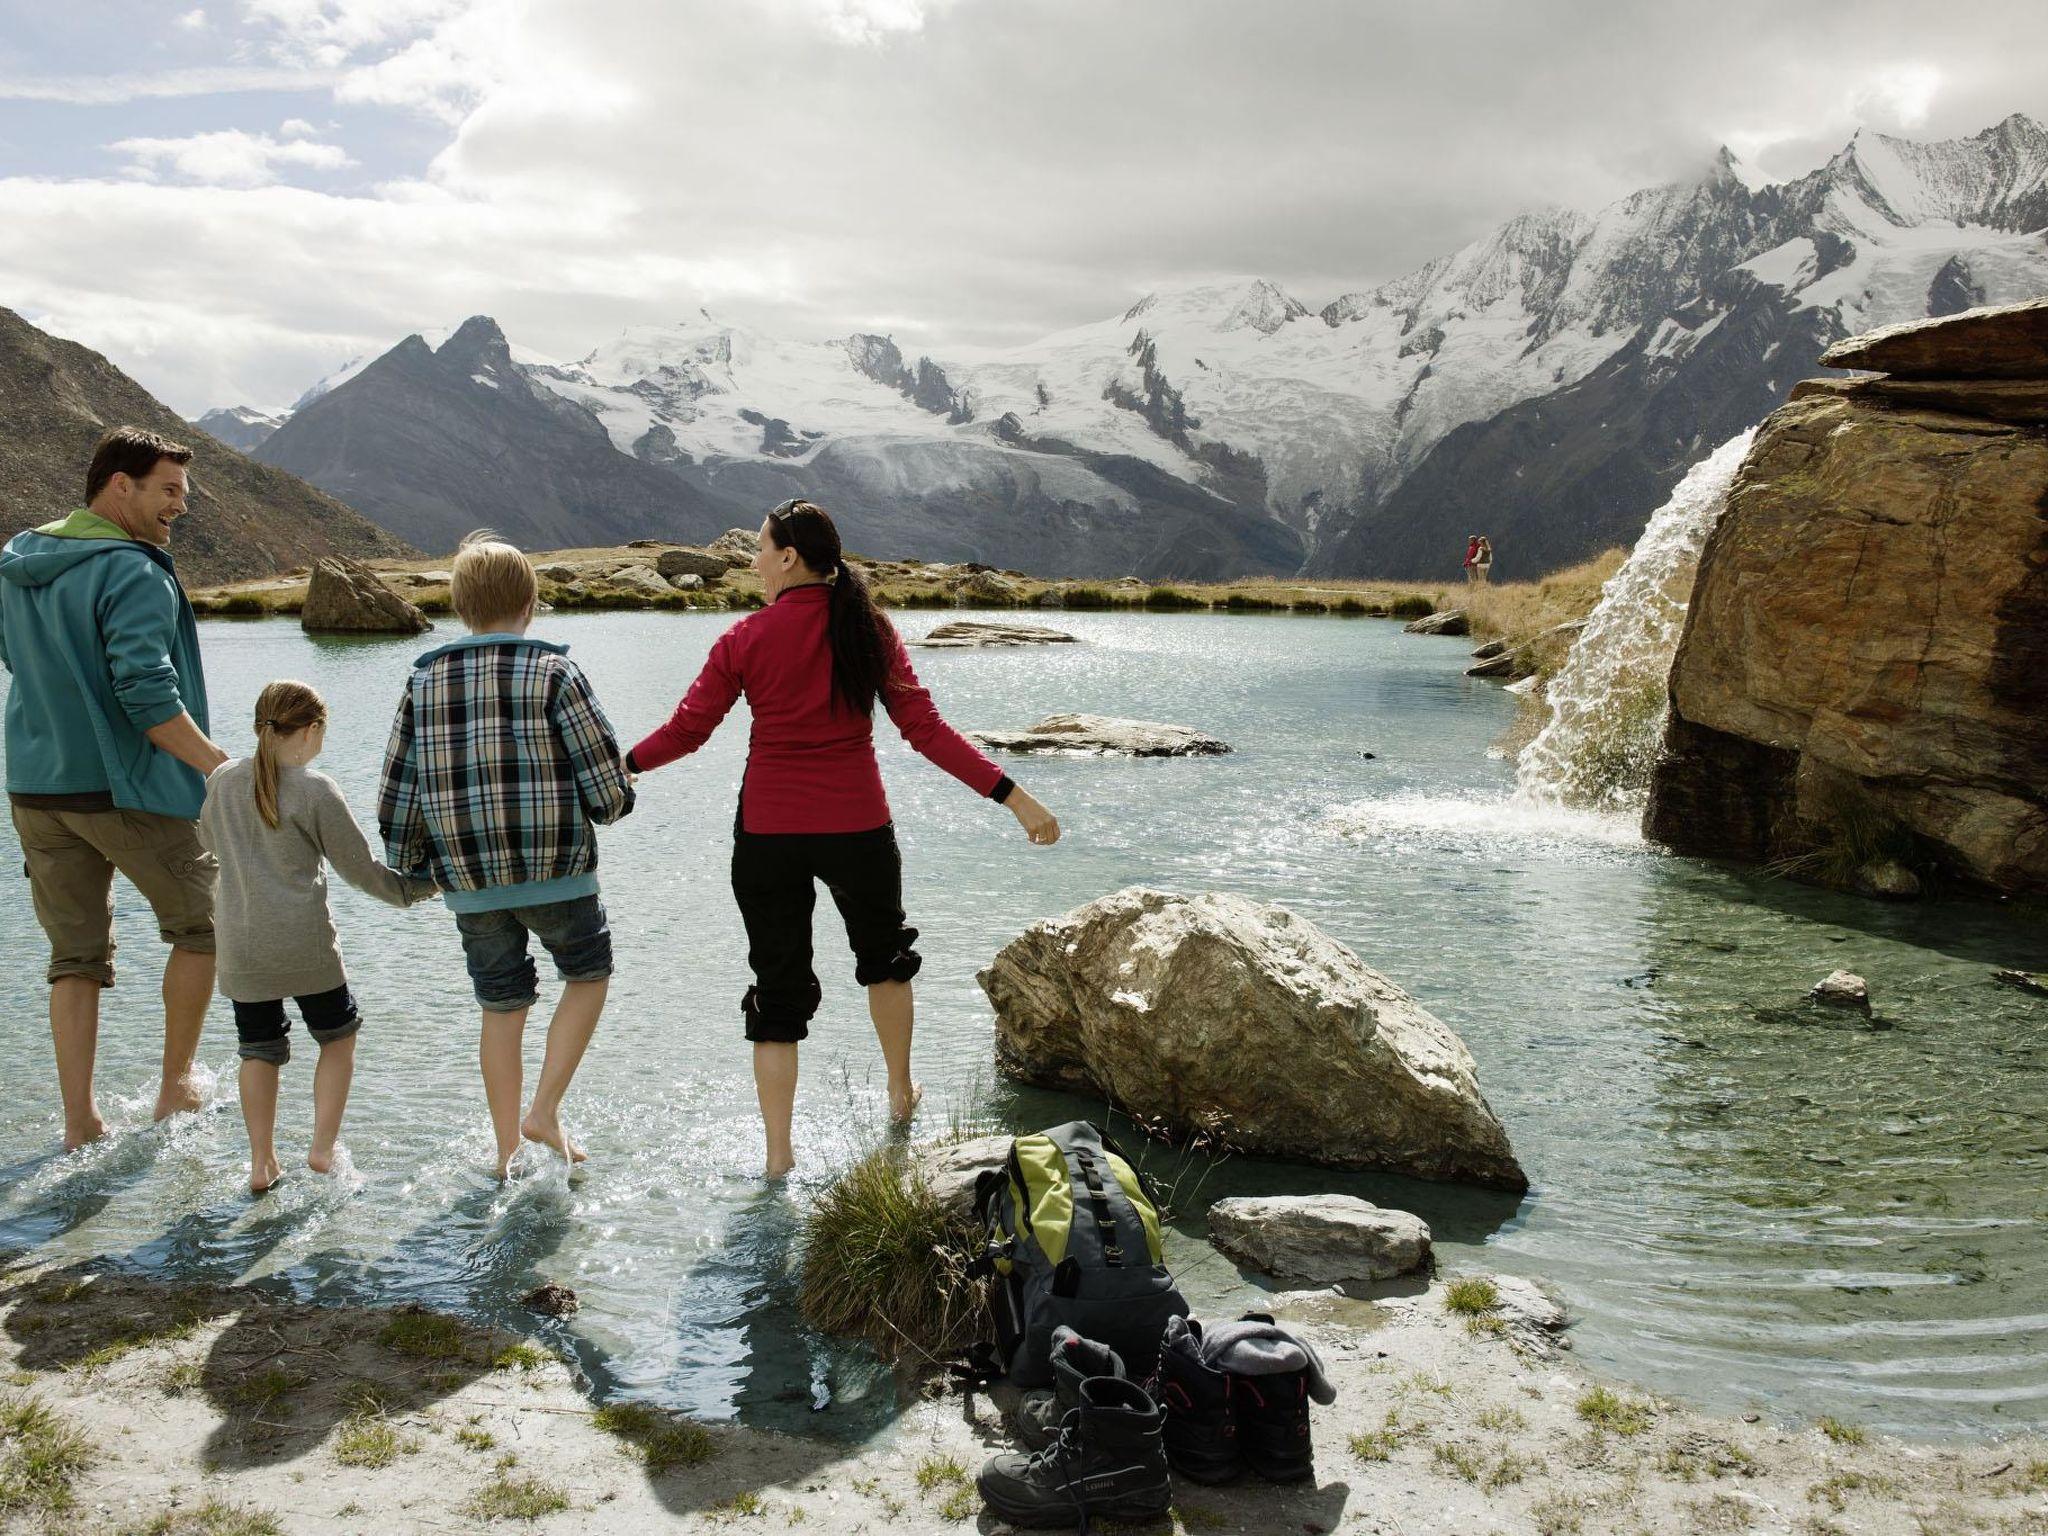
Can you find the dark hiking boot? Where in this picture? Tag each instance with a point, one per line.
(1201, 1427)
(1272, 1425)
(1106, 1463)
(1074, 1360)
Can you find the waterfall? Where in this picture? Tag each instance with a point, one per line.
(1607, 703)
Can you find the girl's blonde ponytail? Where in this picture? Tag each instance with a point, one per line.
(281, 709)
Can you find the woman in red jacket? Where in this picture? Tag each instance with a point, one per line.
(812, 664)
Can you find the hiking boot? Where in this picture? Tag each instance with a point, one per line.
(1272, 1425)
(1074, 1360)
(1201, 1429)
(1106, 1463)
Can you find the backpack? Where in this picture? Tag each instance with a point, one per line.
(1073, 1237)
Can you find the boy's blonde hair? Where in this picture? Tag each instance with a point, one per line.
(493, 582)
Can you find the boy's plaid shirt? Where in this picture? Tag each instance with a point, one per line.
(499, 761)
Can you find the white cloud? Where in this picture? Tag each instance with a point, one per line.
(193, 20)
(871, 21)
(1904, 93)
(230, 157)
(109, 90)
(297, 128)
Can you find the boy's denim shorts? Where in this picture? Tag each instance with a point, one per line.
(574, 933)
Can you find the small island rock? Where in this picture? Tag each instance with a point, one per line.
(346, 597)
(1326, 1239)
(985, 634)
(1842, 989)
(1448, 621)
(1105, 736)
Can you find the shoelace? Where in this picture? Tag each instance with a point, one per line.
(1063, 1449)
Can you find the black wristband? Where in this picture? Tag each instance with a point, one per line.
(631, 765)
(1002, 789)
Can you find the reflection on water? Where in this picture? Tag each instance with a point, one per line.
(1743, 1200)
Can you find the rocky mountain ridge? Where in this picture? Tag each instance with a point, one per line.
(1548, 383)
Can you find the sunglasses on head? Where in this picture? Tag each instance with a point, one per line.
(783, 509)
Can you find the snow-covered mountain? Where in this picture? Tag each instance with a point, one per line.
(1546, 384)
(241, 427)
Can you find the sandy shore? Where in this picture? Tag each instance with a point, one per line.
(180, 1409)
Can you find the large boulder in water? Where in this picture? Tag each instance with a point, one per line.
(1215, 1013)
(346, 597)
(1864, 668)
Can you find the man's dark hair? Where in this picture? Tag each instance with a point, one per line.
(132, 452)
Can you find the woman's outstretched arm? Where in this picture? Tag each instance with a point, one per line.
(710, 699)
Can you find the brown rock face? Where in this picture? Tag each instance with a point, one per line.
(2002, 341)
(347, 597)
(1871, 619)
(1213, 1012)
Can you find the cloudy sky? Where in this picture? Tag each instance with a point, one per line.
(233, 197)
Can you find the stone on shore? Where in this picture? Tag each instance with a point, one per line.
(2003, 341)
(1217, 1014)
(639, 579)
(986, 634)
(1842, 989)
(1103, 736)
(736, 547)
(345, 597)
(1325, 1239)
(671, 563)
(1489, 650)
(951, 1168)
(1449, 621)
(1502, 663)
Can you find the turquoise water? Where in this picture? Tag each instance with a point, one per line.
(1745, 1203)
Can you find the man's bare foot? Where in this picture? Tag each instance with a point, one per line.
(84, 1135)
(264, 1175)
(177, 1095)
(319, 1160)
(547, 1130)
(903, 1106)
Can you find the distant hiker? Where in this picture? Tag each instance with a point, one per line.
(500, 761)
(107, 754)
(812, 665)
(1482, 561)
(1472, 559)
(273, 823)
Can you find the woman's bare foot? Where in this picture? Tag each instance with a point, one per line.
(903, 1105)
(177, 1095)
(547, 1130)
(320, 1160)
(779, 1168)
(84, 1135)
(264, 1174)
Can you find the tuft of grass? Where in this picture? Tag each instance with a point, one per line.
(368, 1440)
(423, 1336)
(1473, 1296)
(214, 1518)
(1410, 605)
(1840, 1433)
(516, 1498)
(1380, 1444)
(882, 1259)
(1846, 826)
(1172, 599)
(1507, 1470)
(1456, 1460)
(1610, 1411)
(1500, 1419)
(255, 1394)
(963, 1503)
(1834, 1490)
(476, 1439)
(939, 1472)
(1087, 598)
(519, 1357)
(41, 1456)
(661, 1440)
(744, 1505)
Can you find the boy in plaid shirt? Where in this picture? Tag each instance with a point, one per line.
(499, 761)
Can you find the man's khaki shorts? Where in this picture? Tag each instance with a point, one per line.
(71, 857)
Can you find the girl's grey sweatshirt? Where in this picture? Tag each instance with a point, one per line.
(272, 930)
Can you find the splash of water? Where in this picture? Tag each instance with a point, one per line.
(1607, 704)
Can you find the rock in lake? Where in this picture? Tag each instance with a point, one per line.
(1326, 1239)
(1103, 736)
(1842, 989)
(2022, 981)
(1221, 1014)
(671, 563)
(1448, 621)
(346, 597)
(983, 634)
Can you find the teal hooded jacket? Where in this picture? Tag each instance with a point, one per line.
(103, 646)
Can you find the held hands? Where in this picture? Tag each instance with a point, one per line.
(1040, 825)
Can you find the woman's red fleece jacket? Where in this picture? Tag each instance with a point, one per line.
(811, 760)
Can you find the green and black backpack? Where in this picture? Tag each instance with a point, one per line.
(1073, 1237)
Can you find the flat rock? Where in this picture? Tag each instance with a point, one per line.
(1489, 650)
(1842, 989)
(1325, 1239)
(985, 634)
(345, 597)
(671, 563)
(1103, 736)
(1502, 663)
(2001, 341)
(1216, 1014)
(1448, 621)
(2023, 402)
(951, 1168)
(639, 578)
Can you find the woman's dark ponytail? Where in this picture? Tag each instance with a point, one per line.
(859, 631)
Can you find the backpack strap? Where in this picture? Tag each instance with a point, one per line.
(1098, 1202)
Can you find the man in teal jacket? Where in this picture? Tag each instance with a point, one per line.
(107, 754)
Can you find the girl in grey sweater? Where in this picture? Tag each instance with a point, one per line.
(272, 822)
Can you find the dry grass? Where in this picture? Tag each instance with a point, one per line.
(41, 1455)
(1520, 612)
